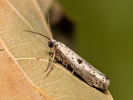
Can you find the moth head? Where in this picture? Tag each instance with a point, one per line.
(51, 43)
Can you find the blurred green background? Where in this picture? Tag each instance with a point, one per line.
(104, 37)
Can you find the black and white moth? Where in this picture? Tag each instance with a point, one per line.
(68, 57)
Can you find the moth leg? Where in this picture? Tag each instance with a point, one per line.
(90, 83)
(66, 65)
(50, 61)
(50, 65)
(49, 71)
(72, 71)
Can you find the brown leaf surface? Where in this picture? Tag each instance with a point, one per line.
(24, 56)
(13, 84)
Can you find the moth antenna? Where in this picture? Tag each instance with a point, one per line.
(49, 25)
(38, 34)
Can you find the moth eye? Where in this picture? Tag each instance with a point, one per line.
(51, 44)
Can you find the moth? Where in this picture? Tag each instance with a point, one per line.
(68, 57)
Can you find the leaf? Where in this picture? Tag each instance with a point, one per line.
(24, 56)
(45, 5)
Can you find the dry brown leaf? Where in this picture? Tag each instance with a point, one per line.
(24, 56)
(13, 83)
